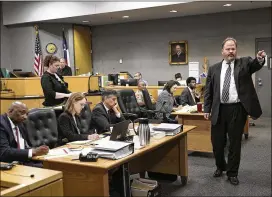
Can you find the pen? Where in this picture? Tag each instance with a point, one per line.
(65, 151)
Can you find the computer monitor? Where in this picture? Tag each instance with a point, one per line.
(130, 82)
(16, 74)
(113, 78)
(162, 83)
(4, 73)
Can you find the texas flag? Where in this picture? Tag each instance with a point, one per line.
(65, 50)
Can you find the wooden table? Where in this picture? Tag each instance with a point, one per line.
(200, 138)
(166, 155)
(17, 182)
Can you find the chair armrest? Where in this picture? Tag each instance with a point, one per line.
(130, 116)
(149, 111)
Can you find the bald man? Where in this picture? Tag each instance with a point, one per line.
(13, 136)
(64, 70)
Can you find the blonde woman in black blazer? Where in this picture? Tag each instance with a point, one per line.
(69, 120)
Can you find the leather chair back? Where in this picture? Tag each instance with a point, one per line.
(85, 118)
(177, 97)
(127, 102)
(147, 100)
(41, 126)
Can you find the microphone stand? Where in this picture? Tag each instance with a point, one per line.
(89, 80)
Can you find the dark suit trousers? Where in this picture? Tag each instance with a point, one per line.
(231, 122)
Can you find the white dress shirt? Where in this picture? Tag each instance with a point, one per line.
(192, 93)
(117, 115)
(233, 95)
(78, 131)
(21, 139)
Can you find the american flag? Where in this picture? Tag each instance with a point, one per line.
(65, 50)
(38, 56)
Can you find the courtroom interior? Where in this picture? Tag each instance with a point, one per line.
(120, 99)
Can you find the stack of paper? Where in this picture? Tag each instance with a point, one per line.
(113, 149)
(81, 142)
(169, 129)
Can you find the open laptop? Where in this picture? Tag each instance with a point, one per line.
(119, 131)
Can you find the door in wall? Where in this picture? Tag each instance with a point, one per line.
(82, 49)
(263, 77)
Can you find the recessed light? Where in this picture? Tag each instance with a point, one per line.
(125, 16)
(85, 21)
(227, 5)
(173, 11)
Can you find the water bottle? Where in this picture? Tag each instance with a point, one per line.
(143, 131)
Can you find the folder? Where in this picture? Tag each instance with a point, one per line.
(169, 129)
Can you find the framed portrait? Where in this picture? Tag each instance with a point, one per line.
(178, 52)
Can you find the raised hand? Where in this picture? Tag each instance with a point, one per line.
(207, 116)
(261, 54)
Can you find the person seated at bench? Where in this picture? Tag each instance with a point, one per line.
(14, 142)
(106, 113)
(166, 102)
(189, 95)
(69, 120)
(139, 94)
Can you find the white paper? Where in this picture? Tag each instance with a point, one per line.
(194, 69)
(194, 73)
(81, 142)
(193, 66)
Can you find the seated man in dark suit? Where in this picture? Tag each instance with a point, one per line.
(13, 137)
(64, 70)
(106, 113)
(188, 95)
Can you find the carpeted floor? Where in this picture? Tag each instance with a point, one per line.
(254, 173)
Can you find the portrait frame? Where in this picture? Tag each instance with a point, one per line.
(175, 59)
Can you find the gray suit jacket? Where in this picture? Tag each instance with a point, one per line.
(168, 99)
(186, 98)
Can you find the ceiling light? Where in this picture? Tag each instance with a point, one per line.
(125, 16)
(173, 11)
(85, 21)
(227, 5)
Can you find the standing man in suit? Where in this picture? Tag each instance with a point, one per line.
(106, 113)
(229, 97)
(188, 95)
(64, 70)
(179, 56)
(13, 136)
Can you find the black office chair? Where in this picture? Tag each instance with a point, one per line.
(86, 117)
(147, 100)
(41, 126)
(130, 108)
(128, 104)
(177, 97)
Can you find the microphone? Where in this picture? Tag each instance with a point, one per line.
(89, 79)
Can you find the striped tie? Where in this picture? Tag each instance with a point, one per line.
(226, 86)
